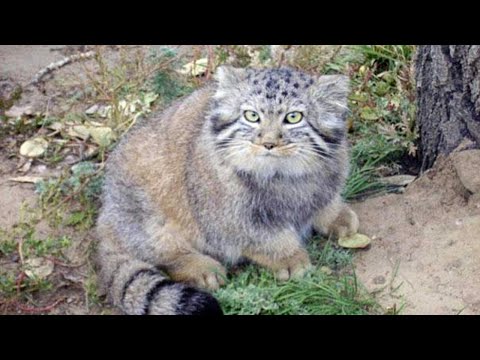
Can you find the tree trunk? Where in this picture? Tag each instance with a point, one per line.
(448, 98)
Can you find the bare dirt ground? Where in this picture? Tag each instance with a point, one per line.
(425, 253)
(426, 249)
(19, 65)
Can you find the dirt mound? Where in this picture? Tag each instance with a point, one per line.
(426, 249)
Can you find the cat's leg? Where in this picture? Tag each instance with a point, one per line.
(137, 286)
(172, 248)
(196, 269)
(282, 253)
(173, 251)
(337, 220)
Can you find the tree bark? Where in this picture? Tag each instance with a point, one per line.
(448, 98)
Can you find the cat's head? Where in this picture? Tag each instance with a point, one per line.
(278, 121)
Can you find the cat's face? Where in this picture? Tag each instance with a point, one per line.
(278, 121)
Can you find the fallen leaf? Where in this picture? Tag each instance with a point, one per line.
(18, 111)
(57, 126)
(92, 110)
(27, 179)
(149, 98)
(356, 241)
(34, 147)
(38, 268)
(195, 68)
(25, 165)
(104, 111)
(90, 151)
(94, 123)
(101, 135)
(79, 131)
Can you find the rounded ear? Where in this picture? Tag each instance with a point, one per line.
(334, 87)
(228, 76)
(333, 91)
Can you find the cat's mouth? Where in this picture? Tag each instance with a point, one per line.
(278, 151)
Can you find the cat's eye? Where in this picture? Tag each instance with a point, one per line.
(294, 117)
(251, 116)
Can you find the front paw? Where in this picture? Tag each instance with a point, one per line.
(198, 270)
(293, 266)
(345, 224)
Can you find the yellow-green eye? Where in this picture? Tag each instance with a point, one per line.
(251, 116)
(294, 117)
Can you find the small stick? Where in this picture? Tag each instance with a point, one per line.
(20, 279)
(59, 64)
(20, 250)
(40, 309)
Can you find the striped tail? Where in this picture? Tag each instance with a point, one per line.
(138, 288)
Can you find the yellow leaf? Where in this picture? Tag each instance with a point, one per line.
(357, 241)
(34, 147)
(195, 68)
(101, 135)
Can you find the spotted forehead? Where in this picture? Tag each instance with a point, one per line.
(278, 86)
(275, 90)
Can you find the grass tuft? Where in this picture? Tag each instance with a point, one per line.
(325, 290)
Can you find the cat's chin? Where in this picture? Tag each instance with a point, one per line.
(268, 166)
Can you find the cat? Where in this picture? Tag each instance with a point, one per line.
(246, 167)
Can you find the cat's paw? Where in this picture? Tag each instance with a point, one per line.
(293, 266)
(345, 224)
(199, 270)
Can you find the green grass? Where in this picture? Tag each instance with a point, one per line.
(382, 117)
(170, 86)
(9, 287)
(72, 199)
(24, 233)
(327, 289)
(23, 242)
(382, 131)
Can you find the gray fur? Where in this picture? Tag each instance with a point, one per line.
(196, 180)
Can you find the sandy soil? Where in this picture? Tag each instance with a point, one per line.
(426, 249)
(425, 253)
(19, 65)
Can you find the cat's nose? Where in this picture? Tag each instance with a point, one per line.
(269, 145)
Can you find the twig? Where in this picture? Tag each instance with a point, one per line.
(59, 64)
(40, 309)
(20, 250)
(20, 279)
(210, 62)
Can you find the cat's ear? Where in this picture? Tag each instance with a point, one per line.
(332, 92)
(228, 76)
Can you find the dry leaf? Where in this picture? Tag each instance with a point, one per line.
(79, 131)
(92, 110)
(101, 135)
(57, 126)
(38, 268)
(25, 165)
(195, 68)
(18, 111)
(357, 241)
(34, 147)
